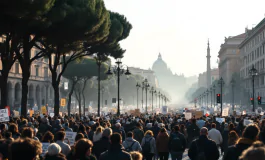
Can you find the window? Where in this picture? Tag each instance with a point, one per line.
(17, 68)
(45, 72)
(37, 70)
(252, 55)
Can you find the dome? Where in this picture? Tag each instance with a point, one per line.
(159, 64)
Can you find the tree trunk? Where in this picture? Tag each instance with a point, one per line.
(4, 92)
(83, 94)
(24, 100)
(70, 97)
(56, 99)
(79, 103)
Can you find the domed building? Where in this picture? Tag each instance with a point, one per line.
(174, 84)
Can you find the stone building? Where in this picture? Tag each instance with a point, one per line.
(202, 79)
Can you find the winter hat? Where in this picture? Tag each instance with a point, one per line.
(54, 149)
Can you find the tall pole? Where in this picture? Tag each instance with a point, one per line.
(152, 102)
(118, 69)
(137, 96)
(99, 65)
(221, 97)
(156, 100)
(159, 99)
(143, 96)
(207, 98)
(102, 93)
(253, 94)
(214, 95)
(146, 98)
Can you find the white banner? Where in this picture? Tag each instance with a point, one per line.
(52, 114)
(247, 122)
(220, 120)
(225, 112)
(44, 148)
(164, 109)
(188, 115)
(71, 137)
(4, 115)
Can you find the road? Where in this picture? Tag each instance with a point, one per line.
(186, 157)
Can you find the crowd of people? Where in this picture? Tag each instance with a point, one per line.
(127, 137)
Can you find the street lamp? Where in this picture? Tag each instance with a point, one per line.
(102, 92)
(233, 98)
(253, 72)
(214, 95)
(207, 92)
(159, 95)
(118, 70)
(137, 87)
(221, 82)
(146, 86)
(152, 91)
(211, 90)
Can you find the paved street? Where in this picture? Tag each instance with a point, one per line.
(186, 157)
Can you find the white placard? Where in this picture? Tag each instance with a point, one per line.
(16, 113)
(164, 109)
(188, 115)
(244, 112)
(4, 115)
(247, 122)
(65, 85)
(71, 137)
(261, 113)
(220, 120)
(44, 148)
(52, 114)
(225, 112)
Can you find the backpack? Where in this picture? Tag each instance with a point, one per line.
(200, 153)
(147, 146)
(129, 148)
(176, 143)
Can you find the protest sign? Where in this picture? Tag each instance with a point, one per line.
(16, 113)
(220, 120)
(8, 108)
(71, 137)
(44, 148)
(247, 122)
(164, 109)
(188, 115)
(43, 110)
(198, 114)
(225, 112)
(61, 114)
(4, 115)
(31, 112)
(244, 112)
(261, 113)
(52, 114)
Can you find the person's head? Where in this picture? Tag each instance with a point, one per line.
(118, 125)
(231, 126)
(79, 136)
(163, 130)
(2, 127)
(60, 135)
(255, 152)
(107, 132)
(130, 134)
(82, 128)
(136, 155)
(27, 132)
(251, 132)
(66, 125)
(149, 133)
(26, 149)
(54, 149)
(8, 135)
(83, 148)
(13, 128)
(204, 131)
(213, 125)
(48, 137)
(99, 130)
(115, 139)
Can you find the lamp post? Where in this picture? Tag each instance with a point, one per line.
(233, 98)
(137, 87)
(146, 86)
(152, 91)
(221, 82)
(211, 90)
(156, 94)
(159, 95)
(214, 95)
(207, 93)
(118, 70)
(102, 90)
(162, 99)
(253, 72)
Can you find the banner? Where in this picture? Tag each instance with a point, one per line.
(44, 148)
(225, 112)
(63, 102)
(70, 136)
(220, 120)
(247, 122)
(8, 108)
(164, 109)
(43, 110)
(4, 115)
(31, 112)
(188, 115)
(52, 114)
(16, 113)
(198, 114)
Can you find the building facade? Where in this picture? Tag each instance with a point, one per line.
(252, 51)
(148, 74)
(229, 57)
(202, 79)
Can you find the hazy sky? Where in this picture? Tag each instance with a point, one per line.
(179, 29)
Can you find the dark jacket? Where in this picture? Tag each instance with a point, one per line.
(138, 134)
(225, 140)
(162, 140)
(233, 152)
(44, 127)
(56, 157)
(71, 156)
(155, 130)
(115, 152)
(120, 131)
(181, 137)
(206, 145)
(193, 132)
(100, 146)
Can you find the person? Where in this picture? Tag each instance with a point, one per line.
(183, 130)
(60, 136)
(103, 144)
(215, 135)
(232, 138)
(14, 130)
(193, 130)
(79, 136)
(225, 135)
(155, 129)
(148, 145)
(82, 129)
(130, 144)
(250, 135)
(136, 155)
(54, 153)
(48, 137)
(115, 150)
(162, 140)
(98, 134)
(138, 133)
(200, 123)
(255, 152)
(117, 128)
(27, 132)
(25, 148)
(177, 144)
(82, 151)
(203, 147)
(67, 128)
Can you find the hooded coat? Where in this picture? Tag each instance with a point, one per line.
(162, 141)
